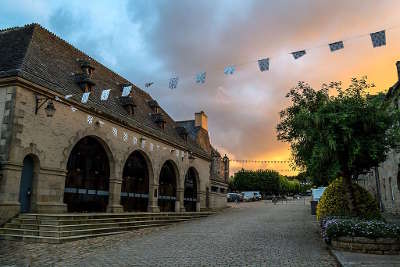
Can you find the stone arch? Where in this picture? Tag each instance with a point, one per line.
(107, 144)
(168, 182)
(28, 187)
(137, 174)
(89, 166)
(191, 189)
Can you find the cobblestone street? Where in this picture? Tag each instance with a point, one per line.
(248, 234)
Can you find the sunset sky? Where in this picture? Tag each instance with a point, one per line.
(149, 41)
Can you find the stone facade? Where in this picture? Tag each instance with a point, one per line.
(49, 141)
(388, 172)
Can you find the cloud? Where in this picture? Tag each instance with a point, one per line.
(152, 40)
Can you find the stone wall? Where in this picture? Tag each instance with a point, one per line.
(366, 245)
(50, 140)
(389, 183)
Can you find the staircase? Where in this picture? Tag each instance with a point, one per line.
(59, 228)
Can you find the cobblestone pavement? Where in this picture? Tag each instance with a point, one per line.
(248, 234)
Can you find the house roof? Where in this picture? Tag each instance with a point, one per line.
(35, 54)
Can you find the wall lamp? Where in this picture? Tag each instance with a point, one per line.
(40, 101)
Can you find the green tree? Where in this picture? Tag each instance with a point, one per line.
(344, 134)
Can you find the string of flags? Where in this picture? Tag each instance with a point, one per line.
(378, 39)
(260, 161)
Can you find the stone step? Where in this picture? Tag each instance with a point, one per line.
(79, 232)
(100, 220)
(79, 216)
(49, 227)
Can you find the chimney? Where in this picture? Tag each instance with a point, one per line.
(398, 69)
(200, 120)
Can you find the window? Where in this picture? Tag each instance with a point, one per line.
(214, 189)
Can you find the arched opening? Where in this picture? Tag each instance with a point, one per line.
(190, 191)
(135, 183)
(25, 187)
(87, 181)
(167, 187)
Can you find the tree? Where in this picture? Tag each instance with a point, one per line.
(345, 134)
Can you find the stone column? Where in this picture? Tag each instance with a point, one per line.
(179, 205)
(114, 198)
(9, 190)
(48, 191)
(153, 198)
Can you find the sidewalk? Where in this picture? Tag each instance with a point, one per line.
(361, 259)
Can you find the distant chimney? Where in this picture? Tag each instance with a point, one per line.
(200, 120)
(398, 69)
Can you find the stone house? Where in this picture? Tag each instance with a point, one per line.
(117, 155)
(385, 183)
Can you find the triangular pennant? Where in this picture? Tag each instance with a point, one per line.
(298, 54)
(201, 77)
(105, 94)
(263, 64)
(126, 90)
(90, 119)
(378, 38)
(114, 131)
(336, 46)
(173, 82)
(229, 70)
(85, 97)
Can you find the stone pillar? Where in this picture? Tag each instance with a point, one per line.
(48, 191)
(179, 205)
(9, 190)
(114, 198)
(153, 198)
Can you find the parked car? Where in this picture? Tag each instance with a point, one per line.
(257, 195)
(233, 197)
(248, 196)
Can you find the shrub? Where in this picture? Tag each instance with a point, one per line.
(333, 202)
(336, 227)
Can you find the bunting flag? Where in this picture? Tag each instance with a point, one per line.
(378, 38)
(263, 64)
(105, 94)
(201, 77)
(143, 143)
(298, 54)
(90, 119)
(148, 84)
(126, 90)
(134, 140)
(125, 136)
(57, 98)
(68, 96)
(229, 70)
(173, 83)
(114, 131)
(151, 146)
(73, 109)
(336, 46)
(85, 97)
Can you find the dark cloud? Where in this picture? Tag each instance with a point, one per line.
(152, 40)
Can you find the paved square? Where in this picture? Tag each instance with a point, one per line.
(248, 234)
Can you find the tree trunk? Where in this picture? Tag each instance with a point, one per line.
(347, 183)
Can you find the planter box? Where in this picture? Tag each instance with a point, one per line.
(368, 245)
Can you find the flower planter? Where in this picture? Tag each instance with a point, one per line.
(367, 245)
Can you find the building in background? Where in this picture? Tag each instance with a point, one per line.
(114, 153)
(384, 181)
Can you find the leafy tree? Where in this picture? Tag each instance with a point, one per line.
(344, 134)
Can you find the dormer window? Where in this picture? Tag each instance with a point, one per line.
(182, 132)
(154, 106)
(84, 79)
(128, 104)
(159, 119)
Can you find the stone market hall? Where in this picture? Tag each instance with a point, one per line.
(123, 154)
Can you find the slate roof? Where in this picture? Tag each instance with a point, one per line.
(34, 53)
